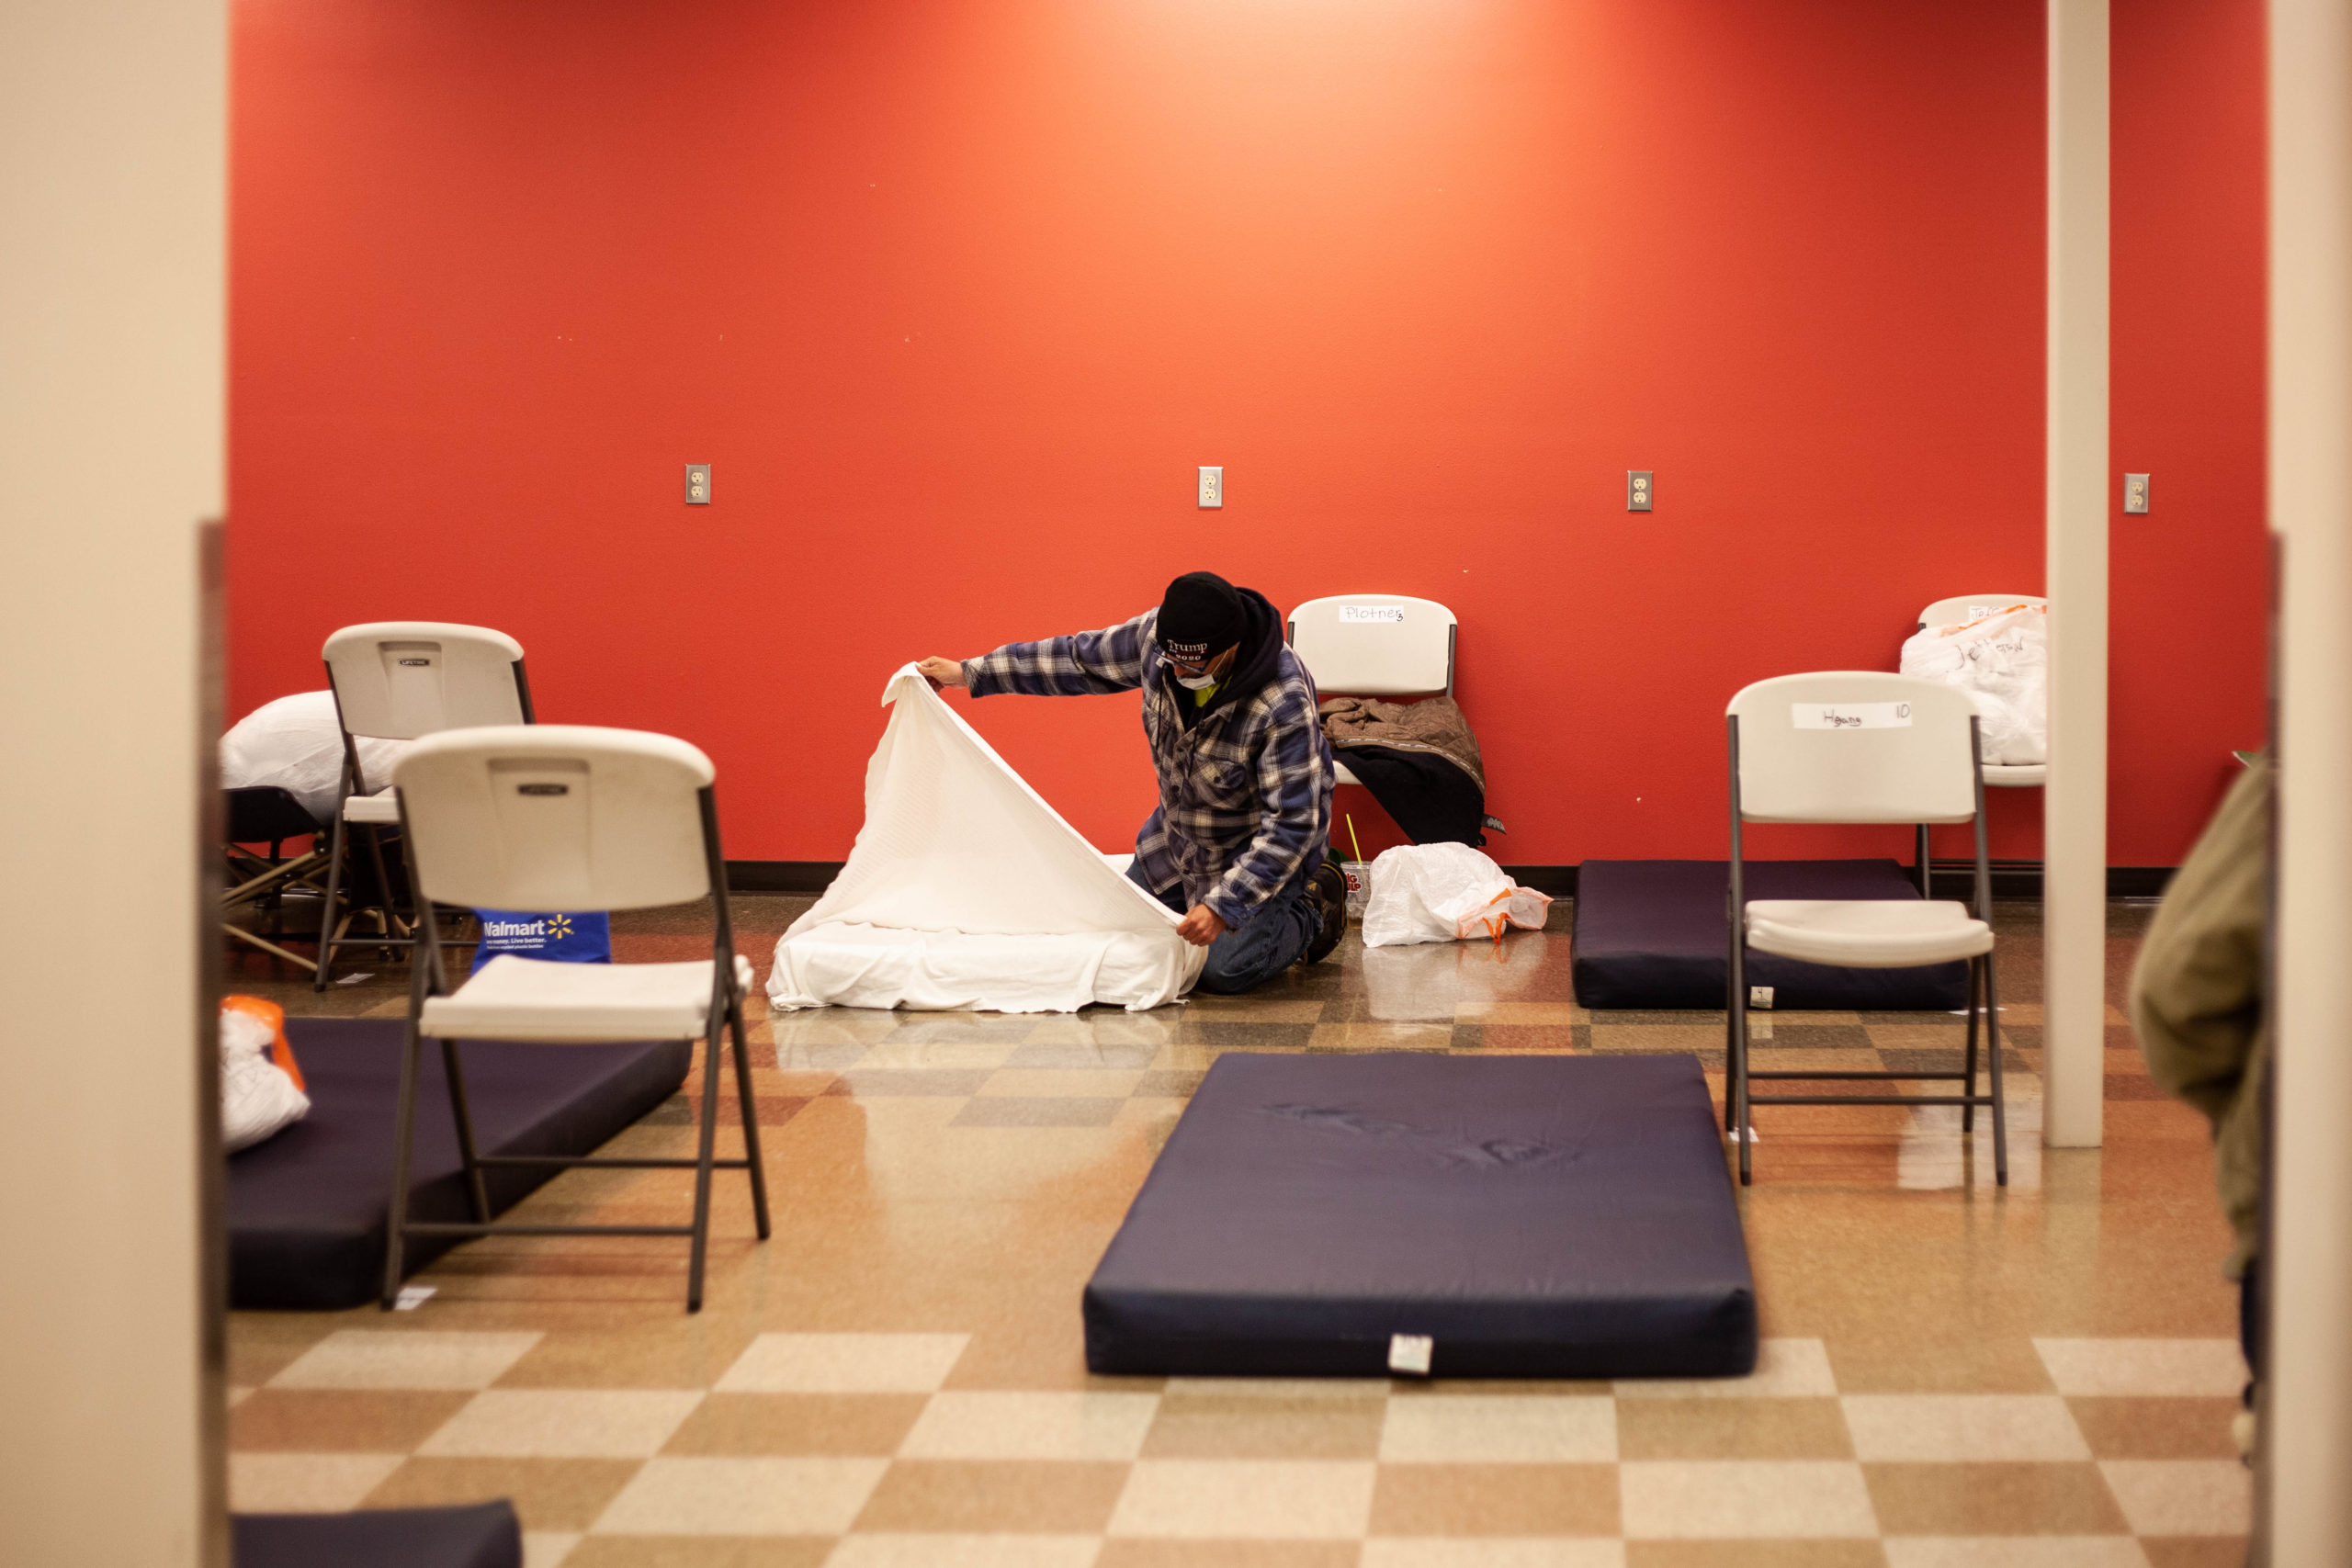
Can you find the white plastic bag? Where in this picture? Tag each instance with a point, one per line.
(1444, 893)
(297, 744)
(257, 1098)
(2002, 659)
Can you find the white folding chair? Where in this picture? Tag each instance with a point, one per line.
(567, 817)
(1959, 611)
(399, 681)
(1860, 746)
(1374, 645)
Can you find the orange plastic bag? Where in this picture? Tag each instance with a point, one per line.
(273, 1016)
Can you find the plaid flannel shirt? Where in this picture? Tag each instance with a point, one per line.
(1245, 793)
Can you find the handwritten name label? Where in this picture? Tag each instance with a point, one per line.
(1357, 615)
(1850, 716)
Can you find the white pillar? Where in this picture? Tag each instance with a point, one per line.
(2308, 1448)
(112, 196)
(2074, 807)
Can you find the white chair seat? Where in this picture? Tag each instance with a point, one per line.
(381, 807)
(1340, 773)
(1866, 934)
(532, 998)
(2016, 776)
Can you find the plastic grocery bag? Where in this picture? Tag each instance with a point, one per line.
(297, 744)
(2002, 659)
(261, 1088)
(1444, 893)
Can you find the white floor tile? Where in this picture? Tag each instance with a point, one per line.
(2182, 1497)
(1251, 1499)
(305, 1484)
(1744, 1499)
(1786, 1368)
(844, 1363)
(1452, 1428)
(1032, 1425)
(1281, 1387)
(563, 1423)
(742, 1496)
(2150, 1368)
(2014, 1551)
(374, 1358)
(1493, 1551)
(547, 1548)
(1951, 1428)
(966, 1551)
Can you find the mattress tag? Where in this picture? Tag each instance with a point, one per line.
(1760, 996)
(413, 1297)
(1358, 615)
(1411, 1353)
(1850, 716)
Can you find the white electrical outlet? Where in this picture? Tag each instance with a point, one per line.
(1213, 486)
(697, 484)
(1637, 489)
(2135, 493)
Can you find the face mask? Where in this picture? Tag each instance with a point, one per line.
(1199, 682)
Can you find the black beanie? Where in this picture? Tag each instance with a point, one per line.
(1201, 615)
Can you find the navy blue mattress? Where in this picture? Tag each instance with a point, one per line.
(1536, 1217)
(1650, 933)
(307, 1208)
(476, 1534)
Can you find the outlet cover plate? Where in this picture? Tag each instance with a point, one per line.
(1213, 486)
(1638, 490)
(697, 484)
(2135, 494)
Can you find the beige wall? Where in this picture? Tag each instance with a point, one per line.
(111, 202)
(2308, 1444)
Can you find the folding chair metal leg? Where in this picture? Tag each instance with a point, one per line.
(403, 1133)
(463, 1115)
(715, 1037)
(327, 926)
(1975, 990)
(1924, 867)
(2000, 1101)
(386, 920)
(751, 1118)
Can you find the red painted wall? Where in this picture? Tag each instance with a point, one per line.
(955, 297)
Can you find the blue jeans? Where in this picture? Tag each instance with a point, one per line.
(1262, 946)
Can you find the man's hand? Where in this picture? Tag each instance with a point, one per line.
(941, 672)
(1202, 927)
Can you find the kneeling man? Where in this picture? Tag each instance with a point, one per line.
(1236, 845)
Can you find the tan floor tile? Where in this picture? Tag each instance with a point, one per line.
(690, 1551)
(870, 1424)
(1252, 1499)
(2182, 1497)
(2194, 1551)
(548, 1549)
(1496, 1499)
(800, 1495)
(361, 1358)
(2213, 1368)
(844, 1363)
(1506, 1012)
(692, 1354)
(1731, 1428)
(339, 1420)
(1478, 1429)
(1913, 1361)
(1406, 1036)
(305, 1483)
(1946, 1426)
(1278, 1388)
(1532, 1552)
(262, 1344)
(1061, 1082)
(1265, 1426)
(1754, 1554)
(550, 1423)
(549, 1493)
(983, 1496)
(1015, 1426)
(2157, 1428)
(1786, 1368)
(965, 1552)
(1743, 1499)
(1992, 1500)
(2017, 1551)
(1657, 1037)
(1227, 1554)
